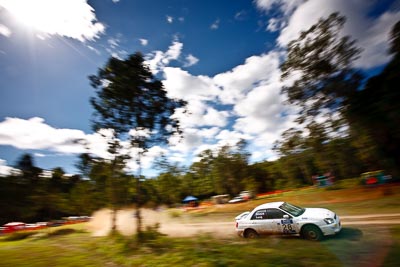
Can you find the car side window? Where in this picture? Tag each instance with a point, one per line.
(259, 215)
(275, 214)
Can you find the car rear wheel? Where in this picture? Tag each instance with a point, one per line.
(312, 232)
(250, 233)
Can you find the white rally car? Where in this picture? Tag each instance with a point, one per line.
(285, 218)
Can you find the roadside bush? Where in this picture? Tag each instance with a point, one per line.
(18, 236)
(64, 231)
(175, 213)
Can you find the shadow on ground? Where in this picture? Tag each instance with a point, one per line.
(351, 234)
(348, 233)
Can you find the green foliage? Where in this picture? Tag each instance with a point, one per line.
(18, 236)
(133, 103)
(168, 187)
(63, 231)
(128, 97)
(327, 83)
(174, 213)
(323, 60)
(353, 246)
(375, 113)
(392, 258)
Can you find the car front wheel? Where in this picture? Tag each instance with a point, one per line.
(250, 233)
(312, 232)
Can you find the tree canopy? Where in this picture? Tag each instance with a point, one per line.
(322, 61)
(128, 97)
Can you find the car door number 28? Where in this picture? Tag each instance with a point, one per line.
(287, 227)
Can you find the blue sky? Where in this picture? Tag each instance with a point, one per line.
(222, 56)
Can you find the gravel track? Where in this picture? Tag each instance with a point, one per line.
(100, 225)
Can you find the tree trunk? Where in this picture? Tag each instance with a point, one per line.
(138, 215)
(114, 220)
(138, 199)
(138, 223)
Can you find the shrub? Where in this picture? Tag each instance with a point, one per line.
(18, 236)
(65, 231)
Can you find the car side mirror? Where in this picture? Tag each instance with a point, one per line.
(286, 216)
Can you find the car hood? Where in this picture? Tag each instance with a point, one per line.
(317, 213)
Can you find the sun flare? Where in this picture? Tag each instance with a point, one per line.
(33, 13)
(71, 18)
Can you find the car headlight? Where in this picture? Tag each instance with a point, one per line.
(329, 220)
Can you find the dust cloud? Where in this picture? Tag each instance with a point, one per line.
(100, 224)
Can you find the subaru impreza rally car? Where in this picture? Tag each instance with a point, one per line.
(285, 218)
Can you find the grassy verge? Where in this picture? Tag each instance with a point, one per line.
(363, 246)
(350, 200)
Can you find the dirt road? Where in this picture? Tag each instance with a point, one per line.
(371, 219)
(101, 223)
(224, 228)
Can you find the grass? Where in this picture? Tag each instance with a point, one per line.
(367, 245)
(352, 199)
(353, 247)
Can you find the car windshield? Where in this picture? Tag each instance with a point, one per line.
(292, 209)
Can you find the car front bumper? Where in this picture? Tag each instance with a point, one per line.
(332, 229)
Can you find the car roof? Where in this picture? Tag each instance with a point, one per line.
(13, 223)
(270, 205)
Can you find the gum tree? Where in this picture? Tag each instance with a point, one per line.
(134, 105)
(322, 61)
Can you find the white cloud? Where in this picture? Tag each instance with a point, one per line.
(190, 140)
(371, 33)
(13, 131)
(144, 42)
(253, 91)
(113, 42)
(215, 25)
(199, 114)
(241, 15)
(170, 19)
(158, 60)
(120, 54)
(243, 78)
(208, 133)
(115, 1)
(273, 25)
(113, 47)
(94, 49)
(181, 84)
(70, 18)
(280, 11)
(41, 136)
(261, 110)
(286, 6)
(147, 158)
(191, 60)
(6, 170)
(173, 52)
(35, 134)
(5, 31)
(374, 41)
(231, 137)
(213, 117)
